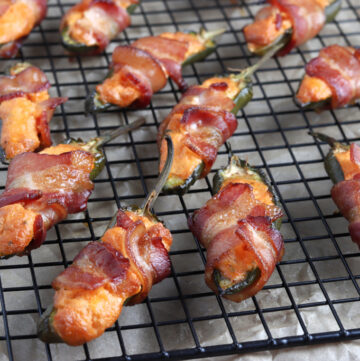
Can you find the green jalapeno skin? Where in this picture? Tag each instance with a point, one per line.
(332, 10)
(330, 13)
(94, 104)
(226, 287)
(180, 186)
(317, 106)
(281, 41)
(77, 48)
(331, 164)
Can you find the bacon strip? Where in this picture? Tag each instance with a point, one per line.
(50, 186)
(339, 68)
(30, 80)
(234, 223)
(203, 122)
(131, 257)
(307, 18)
(97, 22)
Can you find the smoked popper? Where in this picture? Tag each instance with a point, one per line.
(201, 122)
(117, 270)
(88, 27)
(342, 164)
(332, 79)
(25, 110)
(43, 188)
(239, 227)
(288, 23)
(141, 69)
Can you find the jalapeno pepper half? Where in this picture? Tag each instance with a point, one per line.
(88, 27)
(142, 69)
(238, 226)
(288, 22)
(201, 122)
(332, 79)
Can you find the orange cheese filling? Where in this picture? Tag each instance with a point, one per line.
(260, 190)
(16, 22)
(268, 29)
(16, 228)
(313, 89)
(19, 129)
(349, 168)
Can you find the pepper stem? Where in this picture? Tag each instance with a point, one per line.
(325, 138)
(107, 137)
(210, 35)
(246, 73)
(152, 196)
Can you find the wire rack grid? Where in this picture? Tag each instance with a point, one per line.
(313, 295)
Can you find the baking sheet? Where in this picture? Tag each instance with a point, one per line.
(315, 287)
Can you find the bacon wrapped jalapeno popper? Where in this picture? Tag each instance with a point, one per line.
(25, 110)
(332, 79)
(342, 164)
(43, 188)
(289, 23)
(141, 69)
(201, 122)
(88, 27)
(239, 227)
(17, 19)
(119, 269)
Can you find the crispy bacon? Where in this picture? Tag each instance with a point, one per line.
(30, 80)
(307, 18)
(346, 195)
(202, 122)
(98, 263)
(96, 22)
(50, 186)
(235, 224)
(131, 257)
(150, 61)
(339, 68)
(206, 130)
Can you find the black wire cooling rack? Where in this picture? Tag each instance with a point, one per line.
(313, 296)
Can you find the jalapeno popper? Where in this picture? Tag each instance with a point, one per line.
(25, 110)
(201, 122)
(342, 164)
(289, 23)
(88, 27)
(141, 69)
(332, 79)
(119, 269)
(17, 19)
(43, 188)
(239, 229)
